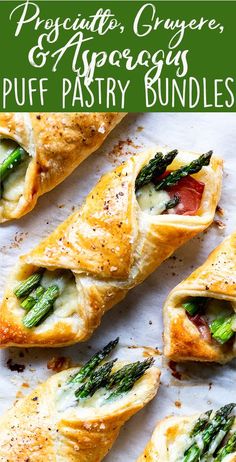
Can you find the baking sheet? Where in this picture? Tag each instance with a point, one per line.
(137, 319)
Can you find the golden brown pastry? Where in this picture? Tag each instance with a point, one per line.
(74, 417)
(121, 234)
(190, 439)
(199, 314)
(54, 144)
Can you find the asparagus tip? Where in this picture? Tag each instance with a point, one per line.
(207, 157)
(94, 361)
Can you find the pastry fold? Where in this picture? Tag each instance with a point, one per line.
(39, 429)
(215, 279)
(110, 245)
(167, 441)
(170, 439)
(56, 144)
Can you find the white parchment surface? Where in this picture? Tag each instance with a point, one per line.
(138, 319)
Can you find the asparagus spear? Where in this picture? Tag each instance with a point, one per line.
(25, 287)
(33, 298)
(228, 448)
(195, 304)
(194, 167)
(97, 379)
(221, 329)
(96, 359)
(127, 376)
(155, 167)
(201, 423)
(42, 307)
(219, 437)
(120, 374)
(172, 202)
(9, 164)
(204, 438)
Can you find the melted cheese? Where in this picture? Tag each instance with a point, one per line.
(6, 147)
(217, 309)
(66, 304)
(13, 186)
(152, 201)
(183, 442)
(67, 309)
(179, 446)
(65, 399)
(172, 438)
(233, 325)
(216, 443)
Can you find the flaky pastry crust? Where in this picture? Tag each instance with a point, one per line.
(56, 143)
(168, 441)
(110, 245)
(37, 429)
(216, 278)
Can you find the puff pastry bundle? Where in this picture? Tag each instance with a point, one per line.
(210, 436)
(38, 151)
(130, 223)
(199, 314)
(76, 415)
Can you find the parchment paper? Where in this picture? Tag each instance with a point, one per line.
(138, 319)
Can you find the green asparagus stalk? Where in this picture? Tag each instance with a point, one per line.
(33, 298)
(204, 438)
(155, 167)
(172, 202)
(42, 307)
(195, 305)
(9, 164)
(25, 287)
(227, 449)
(126, 377)
(215, 444)
(96, 359)
(120, 374)
(96, 380)
(193, 454)
(201, 423)
(194, 167)
(191, 307)
(221, 329)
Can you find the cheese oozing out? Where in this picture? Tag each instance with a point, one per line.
(66, 304)
(151, 201)
(66, 400)
(13, 185)
(218, 308)
(210, 314)
(176, 446)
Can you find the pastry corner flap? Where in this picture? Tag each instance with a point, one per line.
(199, 314)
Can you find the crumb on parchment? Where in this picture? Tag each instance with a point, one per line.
(58, 364)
